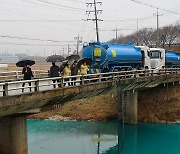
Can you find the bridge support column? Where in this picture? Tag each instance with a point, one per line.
(13, 135)
(130, 106)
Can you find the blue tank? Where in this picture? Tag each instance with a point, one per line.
(172, 59)
(109, 57)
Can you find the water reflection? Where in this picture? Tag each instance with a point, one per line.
(47, 137)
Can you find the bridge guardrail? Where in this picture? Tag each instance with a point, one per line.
(15, 87)
(15, 75)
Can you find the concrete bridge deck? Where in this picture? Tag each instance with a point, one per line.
(14, 105)
(44, 94)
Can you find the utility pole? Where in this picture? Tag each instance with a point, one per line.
(137, 31)
(116, 31)
(63, 52)
(95, 11)
(158, 35)
(116, 34)
(79, 40)
(157, 15)
(68, 48)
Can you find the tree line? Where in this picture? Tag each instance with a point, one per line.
(168, 36)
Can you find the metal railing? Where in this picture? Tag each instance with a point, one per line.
(16, 75)
(16, 87)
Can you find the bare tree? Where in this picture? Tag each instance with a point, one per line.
(168, 35)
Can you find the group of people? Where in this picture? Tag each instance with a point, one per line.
(69, 70)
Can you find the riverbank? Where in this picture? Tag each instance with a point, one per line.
(160, 104)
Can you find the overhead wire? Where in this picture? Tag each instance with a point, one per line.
(76, 1)
(155, 7)
(35, 39)
(55, 4)
(50, 6)
(24, 44)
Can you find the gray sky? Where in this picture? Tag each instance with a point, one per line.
(62, 20)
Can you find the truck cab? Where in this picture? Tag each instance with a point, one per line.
(157, 58)
(146, 60)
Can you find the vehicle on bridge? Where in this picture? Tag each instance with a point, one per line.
(111, 57)
(157, 58)
(172, 59)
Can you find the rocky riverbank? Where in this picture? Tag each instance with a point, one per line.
(160, 104)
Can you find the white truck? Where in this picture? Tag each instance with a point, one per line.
(152, 58)
(157, 58)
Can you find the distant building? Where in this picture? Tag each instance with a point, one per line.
(8, 59)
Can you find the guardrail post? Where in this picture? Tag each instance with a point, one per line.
(34, 74)
(61, 82)
(5, 88)
(125, 75)
(99, 78)
(36, 85)
(113, 76)
(17, 75)
(82, 80)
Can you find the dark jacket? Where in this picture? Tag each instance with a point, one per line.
(74, 69)
(27, 73)
(54, 71)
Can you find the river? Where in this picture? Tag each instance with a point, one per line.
(72, 137)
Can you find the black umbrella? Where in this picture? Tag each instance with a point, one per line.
(88, 61)
(55, 58)
(73, 57)
(24, 62)
(62, 65)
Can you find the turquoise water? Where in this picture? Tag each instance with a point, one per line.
(51, 137)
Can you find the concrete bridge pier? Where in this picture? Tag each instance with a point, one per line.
(13, 135)
(130, 106)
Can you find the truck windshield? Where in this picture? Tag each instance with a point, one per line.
(155, 54)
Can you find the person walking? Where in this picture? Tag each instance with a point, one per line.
(66, 72)
(27, 75)
(74, 72)
(54, 72)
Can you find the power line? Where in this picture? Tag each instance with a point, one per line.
(76, 1)
(35, 39)
(155, 7)
(55, 4)
(24, 44)
(46, 20)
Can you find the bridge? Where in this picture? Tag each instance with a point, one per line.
(15, 105)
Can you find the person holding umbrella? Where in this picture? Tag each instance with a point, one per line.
(54, 69)
(27, 75)
(26, 71)
(54, 72)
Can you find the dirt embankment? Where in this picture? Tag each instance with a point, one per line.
(159, 104)
(99, 108)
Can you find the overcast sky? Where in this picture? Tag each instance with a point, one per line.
(60, 21)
